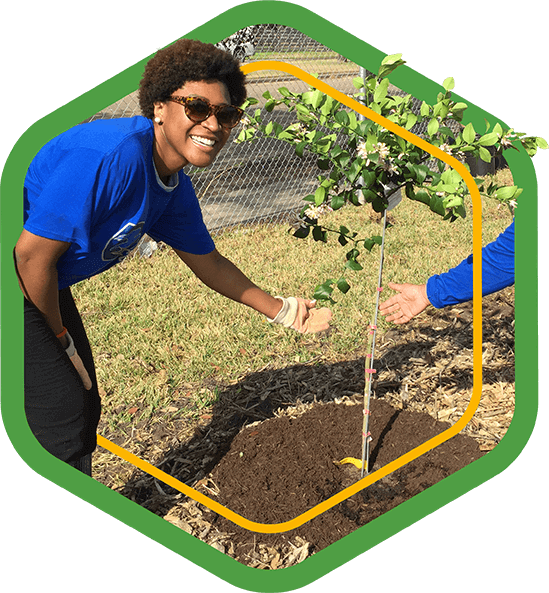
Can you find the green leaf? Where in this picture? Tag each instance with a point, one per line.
(488, 139)
(352, 120)
(302, 110)
(320, 195)
(358, 82)
(506, 193)
(423, 171)
(411, 120)
(541, 143)
(468, 133)
(269, 128)
(445, 131)
(390, 63)
(302, 232)
(342, 117)
(392, 59)
(484, 154)
(369, 195)
(344, 159)
(423, 196)
(377, 239)
(452, 201)
(368, 244)
(352, 264)
(457, 111)
(343, 286)
(355, 170)
(442, 110)
(425, 110)
(313, 98)
(300, 148)
(446, 187)
(433, 126)
(378, 204)
(284, 91)
(323, 164)
(327, 106)
(323, 291)
(449, 84)
(319, 234)
(381, 90)
(285, 135)
(437, 205)
(337, 202)
(368, 179)
(318, 96)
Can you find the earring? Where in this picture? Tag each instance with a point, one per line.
(157, 120)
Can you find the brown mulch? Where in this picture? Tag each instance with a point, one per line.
(267, 447)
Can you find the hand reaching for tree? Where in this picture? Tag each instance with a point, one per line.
(410, 300)
(301, 315)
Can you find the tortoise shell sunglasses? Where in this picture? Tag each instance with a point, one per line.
(198, 110)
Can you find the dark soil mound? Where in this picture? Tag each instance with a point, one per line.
(277, 469)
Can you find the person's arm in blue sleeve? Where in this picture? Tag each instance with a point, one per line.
(456, 285)
(498, 272)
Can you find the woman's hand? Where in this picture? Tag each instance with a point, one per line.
(302, 315)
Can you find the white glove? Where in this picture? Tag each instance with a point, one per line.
(301, 315)
(77, 362)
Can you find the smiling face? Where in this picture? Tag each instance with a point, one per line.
(179, 141)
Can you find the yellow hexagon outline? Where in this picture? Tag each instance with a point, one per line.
(477, 333)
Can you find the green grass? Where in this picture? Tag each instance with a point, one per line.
(157, 331)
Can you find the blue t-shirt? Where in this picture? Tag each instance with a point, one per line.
(96, 187)
(498, 272)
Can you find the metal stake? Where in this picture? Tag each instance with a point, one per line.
(368, 365)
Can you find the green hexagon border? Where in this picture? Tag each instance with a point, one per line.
(390, 523)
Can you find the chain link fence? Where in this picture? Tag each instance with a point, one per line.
(263, 181)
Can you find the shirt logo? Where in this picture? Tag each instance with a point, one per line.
(123, 242)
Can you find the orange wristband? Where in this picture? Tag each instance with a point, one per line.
(62, 333)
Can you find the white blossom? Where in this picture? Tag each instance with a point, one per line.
(314, 212)
(362, 152)
(446, 148)
(508, 138)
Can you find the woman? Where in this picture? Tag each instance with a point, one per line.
(90, 194)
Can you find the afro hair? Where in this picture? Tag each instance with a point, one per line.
(189, 60)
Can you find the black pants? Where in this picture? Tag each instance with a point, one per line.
(62, 415)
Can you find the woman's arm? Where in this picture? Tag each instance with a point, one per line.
(36, 260)
(224, 277)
